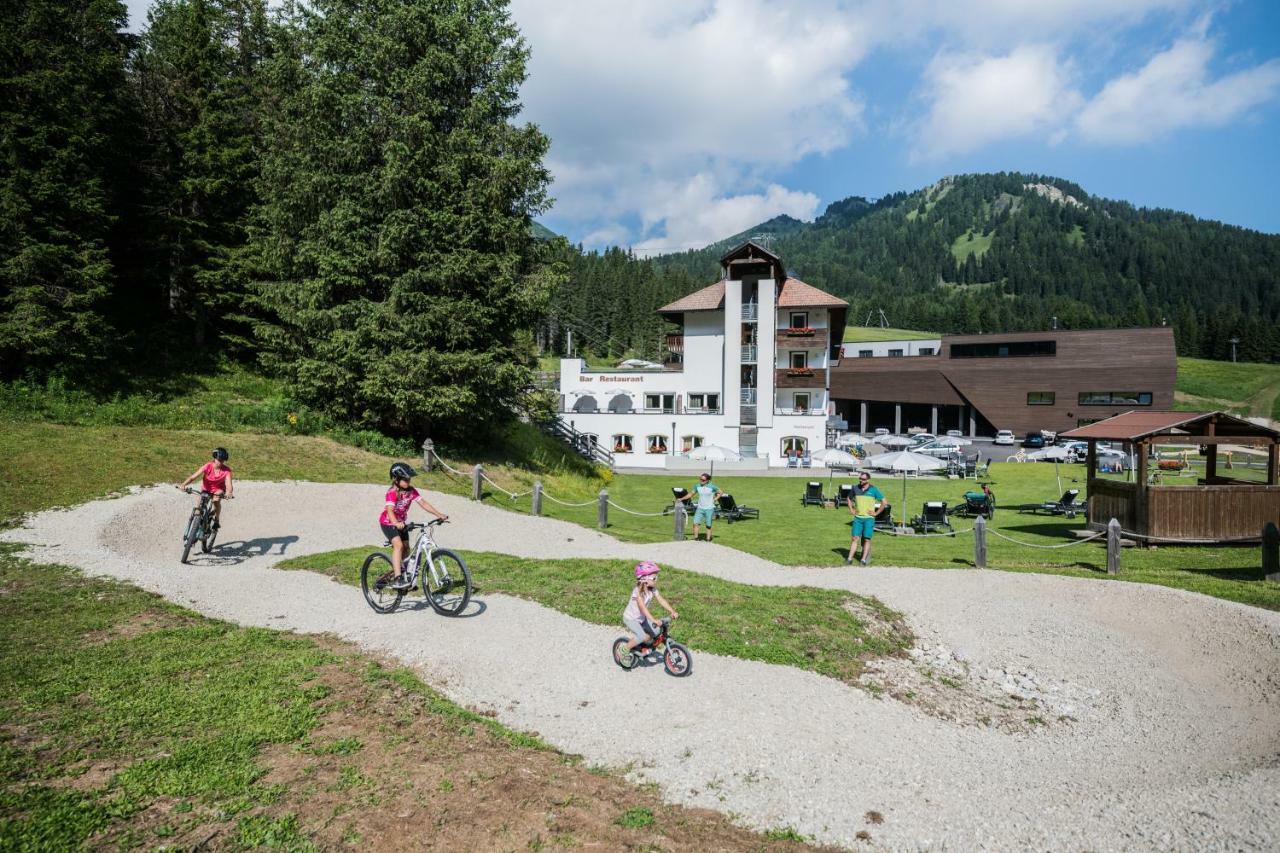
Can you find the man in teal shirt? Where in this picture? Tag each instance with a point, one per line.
(706, 493)
(865, 503)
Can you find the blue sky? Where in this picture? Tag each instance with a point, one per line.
(677, 122)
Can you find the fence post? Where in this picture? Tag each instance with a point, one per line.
(1271, 552)
(1113, 547)
(679, 515)
(428, 449)
(476, 473)
(980, 542)
(602, 514)
(537, 498)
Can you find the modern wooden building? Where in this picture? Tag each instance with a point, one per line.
(1212, 508)
(1024, 381)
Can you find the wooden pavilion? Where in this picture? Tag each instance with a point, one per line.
(1213, 509)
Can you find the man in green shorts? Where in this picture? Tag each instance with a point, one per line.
(706, 493)
(864, 503)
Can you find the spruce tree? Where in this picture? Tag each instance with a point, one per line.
(393, 243)
(62, 108)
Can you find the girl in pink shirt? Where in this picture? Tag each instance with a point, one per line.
(395, 509)
(215, 478)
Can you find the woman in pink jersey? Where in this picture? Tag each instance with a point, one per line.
(395, 510)
(215, 478)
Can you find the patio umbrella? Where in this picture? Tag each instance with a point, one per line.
(850, 439)
(894, 441)
(951, 441)
(905, 461)
(832, 456)
(714, 453)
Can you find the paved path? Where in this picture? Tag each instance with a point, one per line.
(1180, 750)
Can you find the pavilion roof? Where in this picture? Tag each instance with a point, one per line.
(1135, 426)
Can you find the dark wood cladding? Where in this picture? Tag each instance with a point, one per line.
(1201, 512)
(816, 379)
(1137, 360)
(817, 340)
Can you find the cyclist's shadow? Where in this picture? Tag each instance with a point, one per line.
(238, 551)
(415, 603)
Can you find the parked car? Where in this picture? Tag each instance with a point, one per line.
(1033, 439)
(882, 431)
(1077, 450)
(1050, 437)
(1004, 436)
(945, 452)
(923, 438)
(955, 433)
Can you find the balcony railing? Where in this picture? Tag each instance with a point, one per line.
(675, 343)
(793, 411)
(802, 338)
(750, 354)
(748, 396)
(748, 310)
(800, 377)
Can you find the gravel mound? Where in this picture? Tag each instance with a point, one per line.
(1174, 743)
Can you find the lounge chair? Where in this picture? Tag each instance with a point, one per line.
(679, 493)
(979, 503)
(933, 516)
(731, 511)
(1065, 505)
(793, 461)
(845, 495)
(806, 461)
(813, 494)
(884, 518)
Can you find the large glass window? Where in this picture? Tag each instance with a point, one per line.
(1040, 398)
(622, 443)
(794, 445)
(926, 351)
(656, 444)
(1007, 349)
(689, 442)
(660, 403)
(866, 353)
(1115, 398)
(895, 353)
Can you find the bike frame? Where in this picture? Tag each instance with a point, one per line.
(423, 547)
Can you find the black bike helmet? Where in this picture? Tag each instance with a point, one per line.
(221, 454)
(401, 470)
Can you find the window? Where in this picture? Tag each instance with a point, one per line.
(895, 353)
(794, 445)
(1008, 349)
(660, 403)
(801, 402)
(656, 444)
(866, 353)
(799, 359)
(695, 402)
(713, 403)
(622, 443)
(926, 351)
(1040, 398)
(689, 442)
(799, 319)
(1115, 398)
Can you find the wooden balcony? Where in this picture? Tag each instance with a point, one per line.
(800, 377)
(797, 339)
(675, 343)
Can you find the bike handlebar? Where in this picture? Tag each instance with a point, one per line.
(192, 491)
(418, 525)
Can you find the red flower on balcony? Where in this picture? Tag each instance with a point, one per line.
(800, 331)
(799, 371)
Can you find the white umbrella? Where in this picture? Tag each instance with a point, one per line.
(850, 439)
(714, 453)
(894, 441)
(951, 441)
(831, 456)
(1051, 454)
(904, 461)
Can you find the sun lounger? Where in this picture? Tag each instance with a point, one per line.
(813, 494)
(731, 511)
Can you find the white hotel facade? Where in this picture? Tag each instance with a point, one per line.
(753, 375)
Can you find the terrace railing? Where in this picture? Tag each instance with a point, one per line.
(579, 442)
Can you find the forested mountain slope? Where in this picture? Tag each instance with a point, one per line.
(1006, 252)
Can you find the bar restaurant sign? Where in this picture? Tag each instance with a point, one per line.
(612, 379)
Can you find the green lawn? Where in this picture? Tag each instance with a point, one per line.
(804, 627)
(872, 334)
(1243, 388)
(970, 243)
(791, 534)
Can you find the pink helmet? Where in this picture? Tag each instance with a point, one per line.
(646, 568)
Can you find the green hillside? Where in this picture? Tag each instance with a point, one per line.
(1245, 389)
(871, 334)
(1008, 251)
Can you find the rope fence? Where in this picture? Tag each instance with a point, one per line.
(1080, 541)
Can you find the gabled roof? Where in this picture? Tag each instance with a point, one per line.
(1134, 426)
(749, 249)
(794, 294)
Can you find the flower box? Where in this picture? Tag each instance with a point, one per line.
(800, 371)
(800, 332)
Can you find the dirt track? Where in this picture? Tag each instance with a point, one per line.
(1178, 745)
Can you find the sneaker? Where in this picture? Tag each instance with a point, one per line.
(848, 561)
(403, 582)
(866, 561)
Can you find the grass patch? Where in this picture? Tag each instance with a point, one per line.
(791, 534)
(874, 334)
(971, 243)
(803, 627)
(1245, 388)
(127, 722)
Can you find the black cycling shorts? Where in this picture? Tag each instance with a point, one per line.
(391, 532)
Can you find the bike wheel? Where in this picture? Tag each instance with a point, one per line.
(677, 660)
(210, 536)
(623, 656)
(447, 583)
(375, 582)
(193, 533)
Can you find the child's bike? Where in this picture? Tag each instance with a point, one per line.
(446, 582)
(675, 657)
(200, 526)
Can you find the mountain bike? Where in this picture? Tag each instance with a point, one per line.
(675, 657)
(446, 580)
(200, 527)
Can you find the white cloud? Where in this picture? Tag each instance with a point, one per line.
(1174, 91)
(645, 102)
(976, 100)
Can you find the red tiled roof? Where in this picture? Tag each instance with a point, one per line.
(1131, 426)
(795, 294)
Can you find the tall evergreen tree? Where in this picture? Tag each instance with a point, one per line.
(62, 111)
(392, 241)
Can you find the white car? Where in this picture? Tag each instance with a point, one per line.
(923, 438)
(882, 431)
(1004, 436)
(955, 433)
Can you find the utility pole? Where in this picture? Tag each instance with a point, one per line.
(1233, 342)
